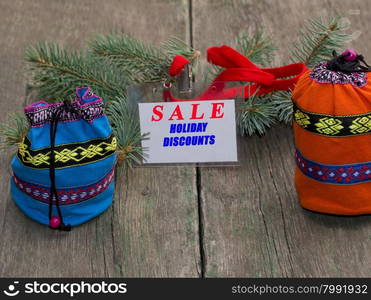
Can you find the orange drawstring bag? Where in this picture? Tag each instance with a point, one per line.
(332, 126)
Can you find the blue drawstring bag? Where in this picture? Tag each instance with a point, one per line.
(63, 172)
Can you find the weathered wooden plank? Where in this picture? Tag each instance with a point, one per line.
(151, 230)
(253, 224)
(220, 22)
(155, 225)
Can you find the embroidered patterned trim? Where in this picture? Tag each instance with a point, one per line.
(336, 174)
(321, 74)
(42, 115)
(67, 155)
(337, 126)
(66, 196)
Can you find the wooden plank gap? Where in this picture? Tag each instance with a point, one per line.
(190, 16)
(201, 223)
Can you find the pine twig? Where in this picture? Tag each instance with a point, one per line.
(258, 48)
(317, 40)
(56, 73)
(125, 124)
(175, 46)
(283, 105)
(256, 115)
(146, 62)
(13, 131)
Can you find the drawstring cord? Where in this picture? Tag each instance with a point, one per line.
(56, 222)
(348, 62)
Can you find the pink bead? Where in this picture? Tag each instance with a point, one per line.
(352, 54)
(55, 222)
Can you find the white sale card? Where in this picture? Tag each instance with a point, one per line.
(189, 131)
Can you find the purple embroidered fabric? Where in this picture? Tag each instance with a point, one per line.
(43, 114)
(67, 196)
(321, 74)
(87, 106)
(335, 174)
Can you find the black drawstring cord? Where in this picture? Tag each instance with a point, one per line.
(53, 221)
(341, 64)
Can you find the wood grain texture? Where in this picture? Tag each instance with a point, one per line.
(220, 22)
(156, 224)
(152, 228)
(252, 222)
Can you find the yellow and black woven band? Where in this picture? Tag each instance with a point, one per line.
(67, 155)
(336, 126)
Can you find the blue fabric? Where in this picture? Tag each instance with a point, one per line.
(86, 125)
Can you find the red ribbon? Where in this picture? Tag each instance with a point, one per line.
(240, 68)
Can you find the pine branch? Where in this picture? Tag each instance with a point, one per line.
(258, 48)
(317, 40)
(283, 105)
(175, 46)
(124, 119)
(147, 63)
(13, 131)
(256, 115)
(57, 73)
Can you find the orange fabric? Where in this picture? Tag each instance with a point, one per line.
(336, 100)
(332, 99)
(331, 198)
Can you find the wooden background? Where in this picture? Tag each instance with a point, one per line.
(183, 221)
